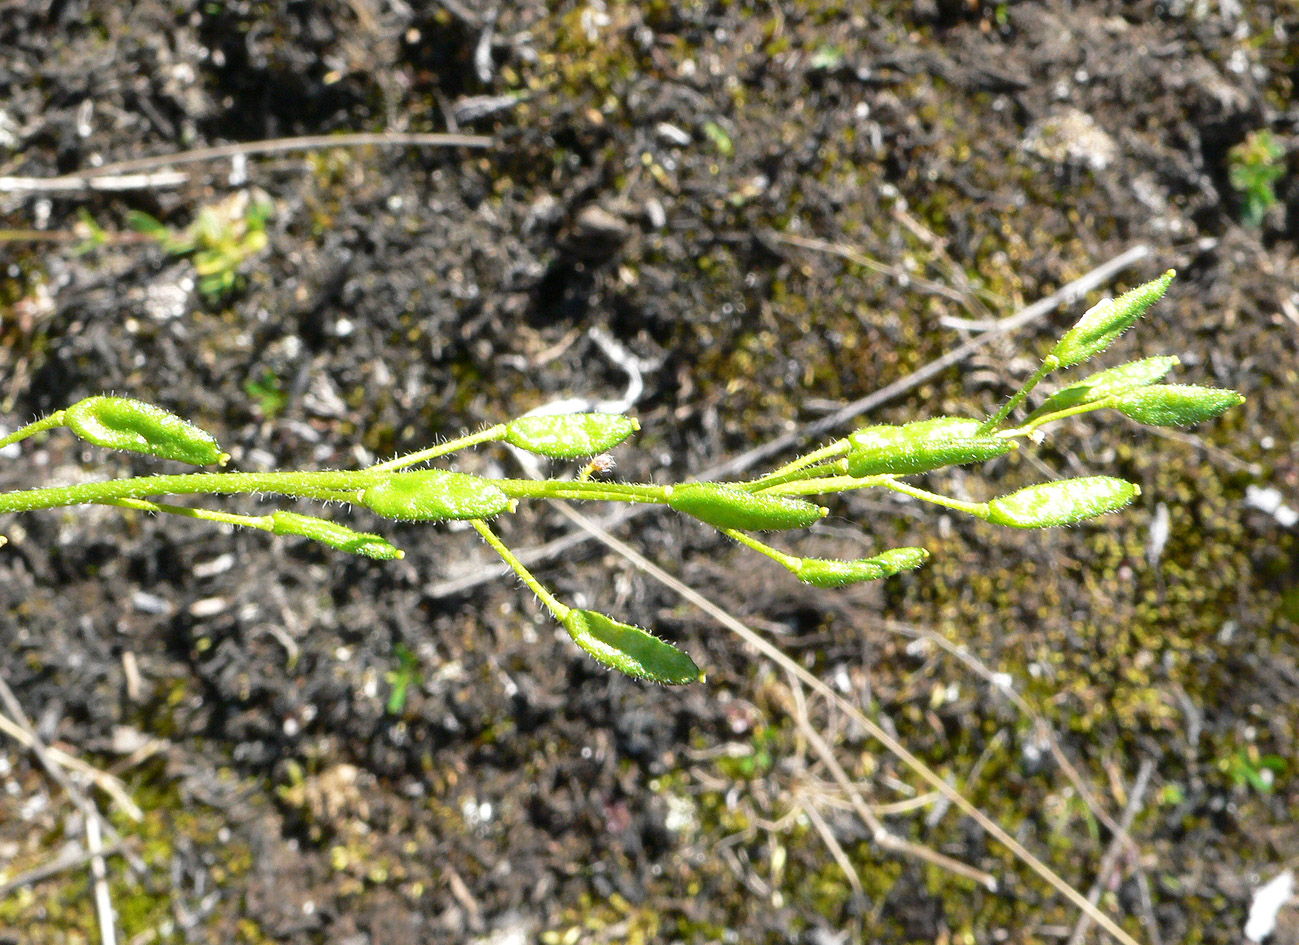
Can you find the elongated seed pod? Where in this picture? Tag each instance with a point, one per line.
(120, 423)
(1062, 502)
(725, 506)
(334, 535)
(921, 446)
(570, 435)
(1102, 324)
(1100, 385)
(1175, 405)
(830, 572)
(630, 650)
(431, 495)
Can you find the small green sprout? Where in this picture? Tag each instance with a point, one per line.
(1253, 166)
(874, 457)
(401, 678)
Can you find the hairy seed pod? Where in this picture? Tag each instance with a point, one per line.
(334, 535)
(630, 650)
(1105, 321)
(921, 446)
(432, 495)
(1062, 502)
(120, 423)
(570, 435)
(726, 506)
(1175, 405)
(1102, 384)
(830, 572)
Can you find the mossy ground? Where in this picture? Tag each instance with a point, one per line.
(410, 294)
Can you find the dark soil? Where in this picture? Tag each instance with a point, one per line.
(646, 161)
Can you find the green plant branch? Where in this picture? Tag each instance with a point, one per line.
(559, 610)
(53, 420)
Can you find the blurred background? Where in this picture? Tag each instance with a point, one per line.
(731, 219)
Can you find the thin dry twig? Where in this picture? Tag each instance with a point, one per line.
(118, 173)
(38, 747)
(69, 860)
(99, 872)
(1117, 843)
(1066, 295)
(872, 728)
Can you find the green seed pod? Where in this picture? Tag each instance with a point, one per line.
(430, 495)
(728, 507)
(1062, 502)
(334, 535)
(1100, 385)
(1180, 405)
(570, 435)
(630, 650)
(1104, 322)
(921, 446)
(120, 423)
(829, 572)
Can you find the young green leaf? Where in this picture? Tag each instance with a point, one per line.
(1062, 502)
(726, 506)
(921, 446)
(1100, 385)
(1105, 321)
(630, 650)
(431, 495)
(829, 572)
(1169, 405)
(570, 435)
(334, 535)
(120, 423)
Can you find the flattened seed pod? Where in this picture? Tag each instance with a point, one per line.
(570, 435)
(1102, 324)
(830, 572)
(432, 495)
(1114, 380)
(728, 507)
(630, 650)
(120, 423)
(334, 535)
(921, 446)
(1175, 405)
(1062, 502)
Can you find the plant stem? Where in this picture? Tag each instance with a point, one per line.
(1048, 365)
(977, 509)
(53, 420)
(552, 603)
(490, 435)
(264, 522)
(788, 561)
(574, 489)
(837, 468)
(825, 452)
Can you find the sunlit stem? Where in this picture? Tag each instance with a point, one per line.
(1048, 365)
(22, 433)
(552, 604)
(837, 468)
(789, 561)
(977, 509)
(264, 522)
(572, 489)
(490, 435)
(1028, 428)
(816, 456)
(828, 485)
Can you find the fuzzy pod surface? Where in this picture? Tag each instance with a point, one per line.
(334, 535)
(1175, 405)
(432, 495)
(1062, 502)
(1102, 324)
(921, 446)
(629, 649)
(831, 572)
(724, 506)
(1100, 385)
(121, 423)
(570, 435)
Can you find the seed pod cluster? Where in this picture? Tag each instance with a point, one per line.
(334, 535)
(1062, 502)
(630, 650)
(724, 506)
(434, 495)
(120, 423)
(1102, 384)
(921, 446)
(570, 435)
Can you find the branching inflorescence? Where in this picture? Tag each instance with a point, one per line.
(874, 457)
